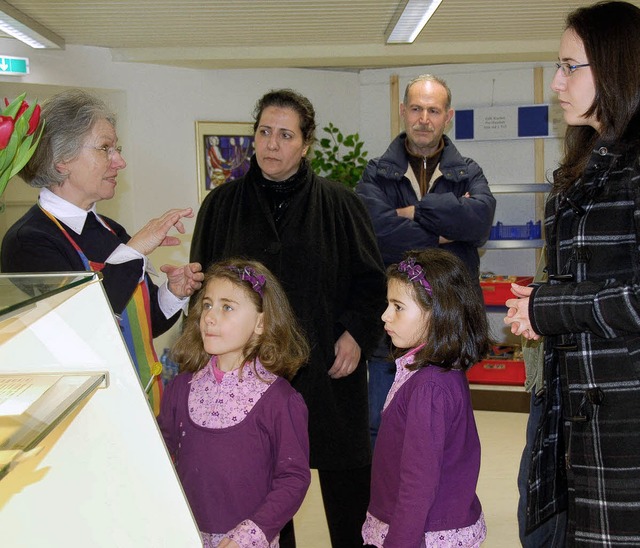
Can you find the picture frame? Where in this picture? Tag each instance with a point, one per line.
(223, 151)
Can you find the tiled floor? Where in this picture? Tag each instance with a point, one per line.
(502, 438)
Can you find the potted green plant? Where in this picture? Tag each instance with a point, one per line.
(339, 157)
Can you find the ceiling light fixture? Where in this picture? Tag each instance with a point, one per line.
(408, 22)
(17, 24)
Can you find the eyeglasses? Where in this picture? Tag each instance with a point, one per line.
(109, 151)
(568, 69)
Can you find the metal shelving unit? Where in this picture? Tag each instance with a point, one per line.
(494, 397)
(527, 188)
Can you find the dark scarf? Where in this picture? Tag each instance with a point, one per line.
(279, 193)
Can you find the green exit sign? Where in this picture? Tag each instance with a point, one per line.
(13, 66)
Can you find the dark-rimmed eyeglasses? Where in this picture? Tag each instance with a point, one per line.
(568, 69)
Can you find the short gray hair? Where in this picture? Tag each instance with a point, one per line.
(69, 117)
(427, 78)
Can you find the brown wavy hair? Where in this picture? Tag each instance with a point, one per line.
(457, 334)
(609, 32)
(281, 348)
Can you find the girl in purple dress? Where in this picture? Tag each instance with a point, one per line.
(236, 429)
(427, 456)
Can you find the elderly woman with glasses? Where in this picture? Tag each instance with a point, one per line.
(586, 453)
(76, 165)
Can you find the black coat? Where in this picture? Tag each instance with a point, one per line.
(325, 255)
(590, 314)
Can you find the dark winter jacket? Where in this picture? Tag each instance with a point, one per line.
(443, 211)
(589, 312)
(324, 253)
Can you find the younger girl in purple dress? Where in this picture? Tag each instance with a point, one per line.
(235, 427)
(427, 456)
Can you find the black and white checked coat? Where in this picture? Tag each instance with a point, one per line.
(590, 314)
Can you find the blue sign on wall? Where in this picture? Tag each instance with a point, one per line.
(509, 122)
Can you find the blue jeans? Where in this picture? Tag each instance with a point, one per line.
(551, 534)
(381, 375)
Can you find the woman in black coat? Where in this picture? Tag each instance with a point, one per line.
(316, 237)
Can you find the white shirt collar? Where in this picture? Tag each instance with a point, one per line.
(71, 215)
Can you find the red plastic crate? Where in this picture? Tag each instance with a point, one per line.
(497, 289)
(510, 372)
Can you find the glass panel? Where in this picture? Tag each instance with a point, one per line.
(23, 290)
(31, 405)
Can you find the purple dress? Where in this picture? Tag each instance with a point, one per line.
(256, 467)
(426, 463)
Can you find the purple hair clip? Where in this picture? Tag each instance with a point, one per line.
(248, 274)
(415, 273)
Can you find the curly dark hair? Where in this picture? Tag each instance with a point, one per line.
(457, 332)
(281, 348)
(288, 98)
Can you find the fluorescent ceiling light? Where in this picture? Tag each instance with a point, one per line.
(17, 24)
(406, 27)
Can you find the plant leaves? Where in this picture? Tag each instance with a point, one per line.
(339, 157)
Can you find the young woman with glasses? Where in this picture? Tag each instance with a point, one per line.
(587, 452)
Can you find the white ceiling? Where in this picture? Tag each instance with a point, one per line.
(347, 34)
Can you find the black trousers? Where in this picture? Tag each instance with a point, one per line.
(345, 496)
(288, 536)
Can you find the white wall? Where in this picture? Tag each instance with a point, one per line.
(158, 107)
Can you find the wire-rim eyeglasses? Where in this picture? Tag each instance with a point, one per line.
(109, 151)
(568, 69)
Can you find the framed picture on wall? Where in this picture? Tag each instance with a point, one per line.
(223, 151)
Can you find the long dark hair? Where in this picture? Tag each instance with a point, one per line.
(609, 32)
(457, 334)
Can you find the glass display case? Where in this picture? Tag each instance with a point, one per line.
(22, 291)
(81, 453)
(32, 405)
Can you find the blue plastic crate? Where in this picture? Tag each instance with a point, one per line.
(530, 231)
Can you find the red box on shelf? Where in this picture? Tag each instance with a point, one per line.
(497, 289)
(510, 372)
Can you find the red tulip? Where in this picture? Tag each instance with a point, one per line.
(6, 129)
(24, 106)
(34, 120)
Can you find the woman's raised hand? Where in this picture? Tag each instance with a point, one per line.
(154, 233)
(183, 281)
